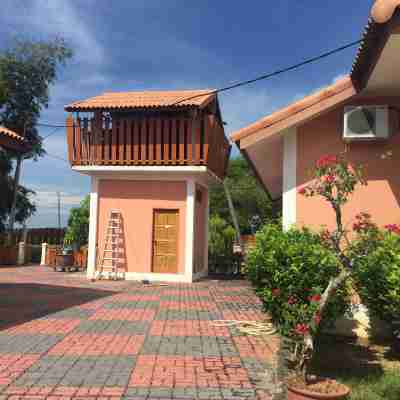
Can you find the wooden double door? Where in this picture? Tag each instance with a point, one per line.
(165, 241)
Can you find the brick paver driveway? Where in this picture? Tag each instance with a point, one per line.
(62, 337)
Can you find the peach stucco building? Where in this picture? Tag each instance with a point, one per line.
(150, 156)
(358, 115)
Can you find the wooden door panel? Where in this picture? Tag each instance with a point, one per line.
(165, 241)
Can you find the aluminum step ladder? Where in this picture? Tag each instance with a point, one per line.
(112, 254)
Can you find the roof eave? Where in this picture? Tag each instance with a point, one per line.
(374, 40)
(296, 113)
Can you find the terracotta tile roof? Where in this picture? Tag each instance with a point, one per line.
(296, 108)
(148, 99)
(7, 132)
(375, 36)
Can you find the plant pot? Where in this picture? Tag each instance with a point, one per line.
(302, 394)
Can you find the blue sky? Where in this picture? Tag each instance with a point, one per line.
(177, 44)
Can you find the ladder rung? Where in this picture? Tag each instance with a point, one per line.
(111, 258)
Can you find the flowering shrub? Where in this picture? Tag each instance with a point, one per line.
(302, 276)
(290, 271)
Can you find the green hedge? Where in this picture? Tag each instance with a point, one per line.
(377, 275)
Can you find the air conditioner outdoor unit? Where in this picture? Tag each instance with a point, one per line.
(366, 123)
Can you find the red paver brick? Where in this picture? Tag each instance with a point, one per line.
(243, 315)
(186, 293)
(189, 305)
(12, 366)
(250, 346)
(187, 328)
(186, 371)
(97, 344)
(136, 297)
(45, 326)
(124, 314)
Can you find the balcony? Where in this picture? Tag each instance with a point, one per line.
(148, 141)
(151, 128)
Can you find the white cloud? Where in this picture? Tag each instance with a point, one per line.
(56, 18)
(49, 199)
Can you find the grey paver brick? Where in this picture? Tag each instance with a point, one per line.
(187, 315)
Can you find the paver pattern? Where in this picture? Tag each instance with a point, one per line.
(64, 338)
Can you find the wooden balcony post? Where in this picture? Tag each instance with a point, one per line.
(97, 132)
(70, 138)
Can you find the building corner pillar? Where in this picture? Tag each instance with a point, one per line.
(190, 215)
(93, 228)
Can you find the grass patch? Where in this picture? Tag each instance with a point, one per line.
(371, 370)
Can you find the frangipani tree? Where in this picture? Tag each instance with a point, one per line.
(334, 179)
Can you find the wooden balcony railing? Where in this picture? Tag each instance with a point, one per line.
(148, 141)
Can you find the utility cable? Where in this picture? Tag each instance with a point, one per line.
(249, 81)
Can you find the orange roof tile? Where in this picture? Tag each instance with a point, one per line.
(7, 132)
(148, 99)
(383, 10)
(296, 108)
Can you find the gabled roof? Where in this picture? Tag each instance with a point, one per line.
(144, 100)
(300, 111)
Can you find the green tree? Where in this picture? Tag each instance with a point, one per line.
(78, 224)
(27, 70)
(249, 198)
(221, 237)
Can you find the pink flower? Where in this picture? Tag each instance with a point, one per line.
(317, 318)
(329, 179)
(302, 329)
(302, 191)
(393, 228)
(325, 235)
(316, 298)
(276, 292)
(327, 161)
(292, 300)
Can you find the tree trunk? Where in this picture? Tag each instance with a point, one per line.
(233, 215)
(14, 199)
(308, 349)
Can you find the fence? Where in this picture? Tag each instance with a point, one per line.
(8, 255)
(36, 236)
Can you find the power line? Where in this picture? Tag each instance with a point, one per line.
(275, 73)
(51, 133)
(57, 157)
(250, 81)
(51, 125)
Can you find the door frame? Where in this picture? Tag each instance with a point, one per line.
(170, 210)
